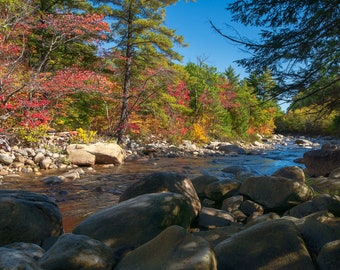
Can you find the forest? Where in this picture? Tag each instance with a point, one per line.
(109, 68)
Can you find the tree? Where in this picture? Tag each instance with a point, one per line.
(141, 41)
(39, 42)
(299, 44)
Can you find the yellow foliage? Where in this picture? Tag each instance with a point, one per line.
(83, 136)
(198, 134)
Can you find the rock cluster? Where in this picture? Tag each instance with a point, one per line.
(168, 221)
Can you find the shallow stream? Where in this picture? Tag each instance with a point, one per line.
(101, 187)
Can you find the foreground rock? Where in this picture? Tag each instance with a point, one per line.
(276, 193)
(27, 217)
(174, 248)
(12, 259)
(134, 222)
(77, 252)
(164, 182)
(270, 245)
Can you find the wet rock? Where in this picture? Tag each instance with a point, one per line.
(249, 207)
(232, 149)
(330, 203)
(174, 248)
(219, 234)
(31, 250)
(200, 183)
(329, 255)
(232, 204)
(210, 218)
(137, 220)
(291, 172)
(303, 142)
(220, 190)
(77, 252)
(276, 193)
(27, 217)
(164, 182)
(254, 248)
(52, 180)
(321, 162)
(16, 260)
(335, 173)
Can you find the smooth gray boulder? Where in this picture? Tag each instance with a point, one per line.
(28, 217)
(12, 259)
(291, 172)
(134, 222)
(276, 193)
(272, 244)
(72, 251)
(321, 162)
(164, 182)
(330, 203)
(174, 248)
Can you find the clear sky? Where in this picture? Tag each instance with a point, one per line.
(191, 20)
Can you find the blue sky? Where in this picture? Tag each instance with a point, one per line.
(191, 20)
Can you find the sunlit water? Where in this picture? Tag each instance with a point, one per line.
(102, 187)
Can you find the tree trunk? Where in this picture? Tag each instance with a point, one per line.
(124, 115)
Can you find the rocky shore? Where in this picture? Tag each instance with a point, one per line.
(169, 221)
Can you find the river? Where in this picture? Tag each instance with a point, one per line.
(102, 186)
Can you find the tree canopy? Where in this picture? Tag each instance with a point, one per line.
(299, 44)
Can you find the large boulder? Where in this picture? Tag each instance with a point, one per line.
(201, 182)
(329, 256)
(174, 248)
(105, 153)
(77, 252)
(321, 162)
(27, 217)
(134, 222)
(210, 218)
(318, 231)
(323, 202)
(12, 259)
(291, 172)
(164, 182)
(220, 190)
(269, 245)
(232, 149)
(276, 193)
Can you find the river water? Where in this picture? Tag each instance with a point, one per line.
(101, 187)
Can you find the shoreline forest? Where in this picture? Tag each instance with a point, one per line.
(110, 68)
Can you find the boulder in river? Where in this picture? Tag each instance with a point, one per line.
(134, 222)
(174, 248)
(276, 193)
(274, 244)
(105, 153)
(27, 217)
(291, 172)
(164, 182)
(321, 162)
(330, 203)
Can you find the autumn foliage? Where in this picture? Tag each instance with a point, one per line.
(53, 74)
